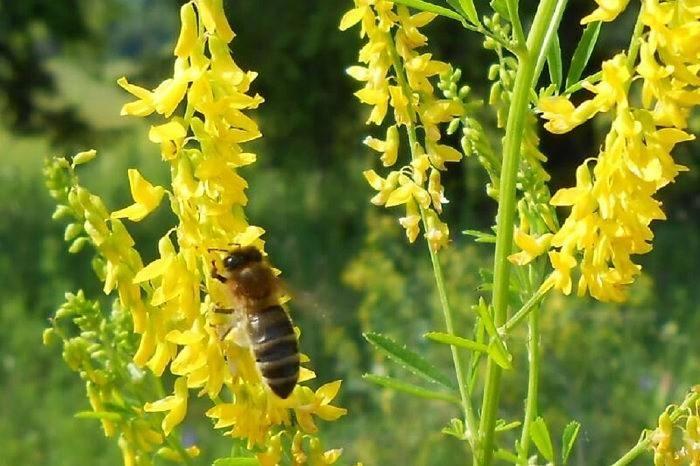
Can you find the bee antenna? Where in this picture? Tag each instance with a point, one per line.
(217, 249)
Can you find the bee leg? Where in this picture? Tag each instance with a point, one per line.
(224, 310)
(215, 273)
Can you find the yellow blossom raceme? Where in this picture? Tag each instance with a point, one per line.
(203, 146)
(613, 204)
(395, 74)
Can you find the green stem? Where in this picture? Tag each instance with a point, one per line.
(533, 353)
(506, 212)
(637, 450)
(577, 86)
(525, 310)
(469, 416)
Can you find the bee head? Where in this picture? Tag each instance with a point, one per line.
(242, 257)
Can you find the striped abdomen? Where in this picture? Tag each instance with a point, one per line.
(275, 347)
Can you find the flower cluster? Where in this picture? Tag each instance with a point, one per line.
(391, 53)
(178, 327)
(613, 204)
(668, 449)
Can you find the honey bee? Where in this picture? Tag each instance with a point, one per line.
(256, 292)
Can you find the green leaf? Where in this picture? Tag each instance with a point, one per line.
(496, 349)
(506, 455)
(500, 355)
(236, 462)
(415, 390)
(583, 52)
(455, 429)
(540, 437)
(454, 340)
(432, 8)
(568, 439)
(410, 360)
(501, 425)
(467, 9)
(554, 61)
(480, 236)
(501, 7)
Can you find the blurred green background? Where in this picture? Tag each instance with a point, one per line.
(613, 368)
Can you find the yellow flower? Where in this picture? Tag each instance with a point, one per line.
(406, 191)
(530, 247)
(146, 198)
(411, 221)
(389, 147)
(607, 10)
(562, 263)
(175, 404)
(611, 90)
(317, 403)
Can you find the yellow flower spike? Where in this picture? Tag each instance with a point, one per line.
(389, 147)
(530, 247)
(188, 31)
(142, 107)
(175, 404)
(607, 11)
(146, 196)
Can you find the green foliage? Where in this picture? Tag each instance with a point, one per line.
(583, 52)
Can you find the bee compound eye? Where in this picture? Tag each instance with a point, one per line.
(231, 261)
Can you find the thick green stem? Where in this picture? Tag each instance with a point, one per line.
(469, 416)
(506, 212)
